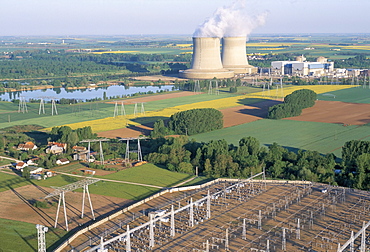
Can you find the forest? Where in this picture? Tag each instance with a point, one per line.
(217, 158)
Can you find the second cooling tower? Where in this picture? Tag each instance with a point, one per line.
(206, 62)
(234, 55)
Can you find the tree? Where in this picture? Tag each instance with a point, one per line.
(196, 121)
(26, 173)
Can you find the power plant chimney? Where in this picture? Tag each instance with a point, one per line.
(234, 55)
(206, 62)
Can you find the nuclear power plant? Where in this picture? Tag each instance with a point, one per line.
(234, 55)
(207, 62)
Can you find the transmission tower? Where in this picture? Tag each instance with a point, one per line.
(68, 188)
(196, 86)
(135, 109)
(100, 146)
(41, 244)
(42, 107)
(128, 151)
(115, 113)
(53, 107)
(22, 107)
(142, 109)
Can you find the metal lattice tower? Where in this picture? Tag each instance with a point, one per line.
(128, 151)
(41, 244)
(22, 107)
(42, 107)
(123, 111)
(68, 188)
(100, 146)
(196, 86)
(142, 109)
(210, 87)
(135, 109)
(115, 113)
(53, 107)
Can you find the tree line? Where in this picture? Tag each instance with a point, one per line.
(293, 104)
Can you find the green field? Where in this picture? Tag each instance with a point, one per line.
(21, 236)
(321, 137)
(149, 174)
(68, 114)
(355, 95)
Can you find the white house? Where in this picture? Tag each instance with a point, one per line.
(62, 161)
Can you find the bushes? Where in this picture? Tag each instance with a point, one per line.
(293, 104)
(196, 121)
(233, 90)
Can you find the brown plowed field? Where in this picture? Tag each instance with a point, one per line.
(336, 112)
(232, 116)
(245, 114)
(16, 204)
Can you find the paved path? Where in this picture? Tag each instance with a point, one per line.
(9, 158)
(184, 182)
(111, 180)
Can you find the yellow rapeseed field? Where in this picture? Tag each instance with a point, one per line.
(111, 123)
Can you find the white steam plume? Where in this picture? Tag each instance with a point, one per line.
(230, 21)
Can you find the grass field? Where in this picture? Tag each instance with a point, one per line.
(111, 123)
(8, 181)
(355, 95)
(321, 137)
(149, 174)
(21, 236)
(68, 114)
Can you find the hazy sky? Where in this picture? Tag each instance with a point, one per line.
(124, 17)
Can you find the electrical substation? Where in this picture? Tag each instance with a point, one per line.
(240, 215)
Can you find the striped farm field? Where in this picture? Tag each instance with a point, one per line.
(321, 137)
(111, 123)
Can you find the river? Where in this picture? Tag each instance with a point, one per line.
(82, 94)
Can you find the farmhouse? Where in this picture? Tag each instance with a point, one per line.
(35, 170)
(20, 165)
(62, 161)
(56, 148)
(27, 146)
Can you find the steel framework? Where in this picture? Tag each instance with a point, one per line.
(71, 187)
(41, 244)
(100, 148)
(128, 151)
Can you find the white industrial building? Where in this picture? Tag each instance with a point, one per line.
(300, 67)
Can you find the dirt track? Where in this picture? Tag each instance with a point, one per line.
(336, 112)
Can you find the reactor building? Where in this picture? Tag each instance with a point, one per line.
(209, 63)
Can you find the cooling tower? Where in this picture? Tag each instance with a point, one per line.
(206, 62)
(234, 55)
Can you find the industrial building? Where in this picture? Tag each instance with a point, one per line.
(207, 62)
(300, 67)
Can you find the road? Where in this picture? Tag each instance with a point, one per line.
(111, 180)
(9, 158)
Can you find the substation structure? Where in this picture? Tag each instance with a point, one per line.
(251, 215)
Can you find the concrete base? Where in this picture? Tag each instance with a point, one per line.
(206, 74)
(248, 69)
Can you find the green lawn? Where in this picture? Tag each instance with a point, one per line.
(149, 174)
(355, 95)
(322, 137)
(21, 236)
(124, 191)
